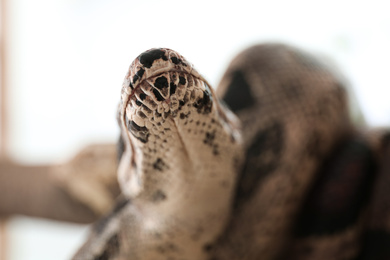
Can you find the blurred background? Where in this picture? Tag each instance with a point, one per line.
(63, 62)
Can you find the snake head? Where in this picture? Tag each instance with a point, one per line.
(159, 90)
(167, 111)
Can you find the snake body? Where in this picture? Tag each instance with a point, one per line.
(199, 184)
(182, 149)
(293, 112)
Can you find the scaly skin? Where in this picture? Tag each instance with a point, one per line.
(302, 191)
(294, 114)
(178, 169)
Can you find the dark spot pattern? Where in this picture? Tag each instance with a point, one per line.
(157, 115)
(142, 96)
(147, 58)
(208, 247)
(159, 196)
(204, 104)
(183, 116)
(209, 138)
(172, 88)
(177, 61)
(238, 95)
(146, 109)
(262, 157)
(182, 80)
(141, 133)
(165, 116)
(161, 83)
(138, 75)
(111, 249)
(141, 114)
(340, 192)
(167, 248)
(138, 103)
(160, 165)
(158, 95)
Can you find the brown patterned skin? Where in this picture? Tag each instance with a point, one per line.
(293, 113)
(302, 192)
(324, 198)
(177, 173)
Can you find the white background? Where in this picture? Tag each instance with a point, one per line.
(68, 59)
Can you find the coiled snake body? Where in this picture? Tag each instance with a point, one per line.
(198, 183)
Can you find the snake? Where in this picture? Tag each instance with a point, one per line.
(267, 166)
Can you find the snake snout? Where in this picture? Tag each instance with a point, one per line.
(148, 57)
(154, 62)
(161, 83)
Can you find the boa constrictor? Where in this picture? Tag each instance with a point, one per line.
(286, 176)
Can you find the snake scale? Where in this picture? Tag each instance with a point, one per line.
(268, 166)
